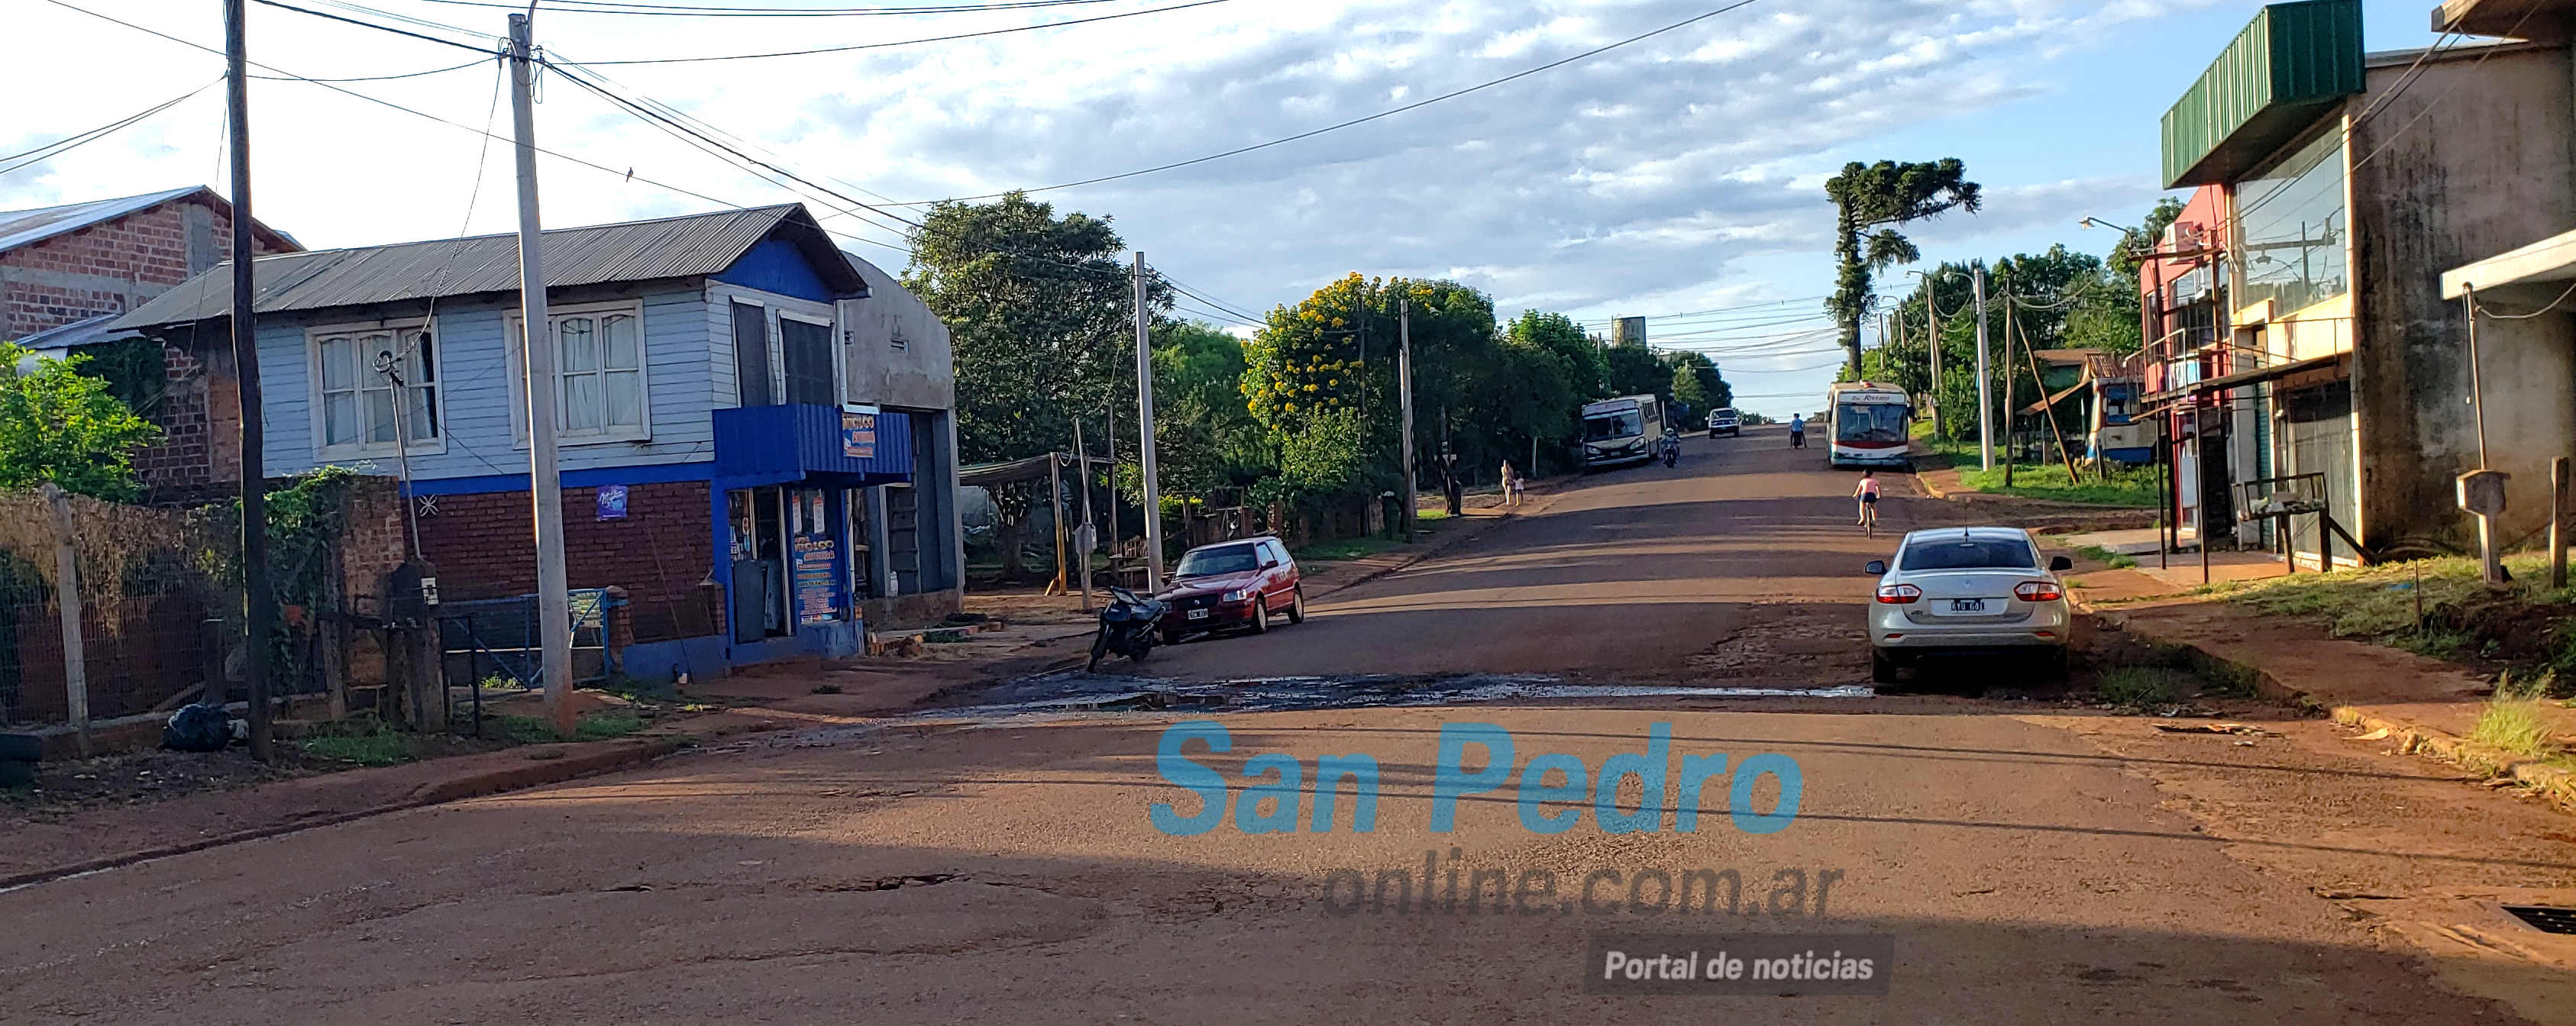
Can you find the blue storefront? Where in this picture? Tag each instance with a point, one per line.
(796, 498)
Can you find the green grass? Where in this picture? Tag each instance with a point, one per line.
(1344, 548)
(372, 744)
(2114, 560)
(2144, 686)
(2126, 487)
(2517, 725)
(2380, 601)
(597, 726)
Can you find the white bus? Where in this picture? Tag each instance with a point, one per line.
(1622, 431)
(1870, 424)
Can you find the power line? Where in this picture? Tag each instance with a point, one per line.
(912, 42)
(706, 11)
(77, 140)
(1237, 151)
(385, 28)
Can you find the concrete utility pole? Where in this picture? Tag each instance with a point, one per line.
(1404, 381)
(1932, 314)
(259, 604)
(1145, 436)
(545, 485)
(1985, 382)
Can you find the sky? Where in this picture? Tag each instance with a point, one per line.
(1679, 174)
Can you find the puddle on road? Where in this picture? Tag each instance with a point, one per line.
(1076, 692)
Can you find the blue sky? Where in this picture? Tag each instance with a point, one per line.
(1682, 173)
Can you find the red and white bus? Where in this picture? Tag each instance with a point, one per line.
(1871, 422)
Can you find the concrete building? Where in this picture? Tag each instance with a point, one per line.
(755, 433)
(2296, 319)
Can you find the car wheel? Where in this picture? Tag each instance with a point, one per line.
(1171, 637)
(1297, 606)
(1882, 670)
(2054, 667)
(1260, 614)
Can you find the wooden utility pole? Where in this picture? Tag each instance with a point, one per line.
(1055, 508)
(1932, 315)
(2557, 523)
(2048, 409)
(2008, 391)
(259, 604)
(545, 484)
(1404, 381)
(1090, 528)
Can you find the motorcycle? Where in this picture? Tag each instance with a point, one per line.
(1128, 626)
(1672, 449)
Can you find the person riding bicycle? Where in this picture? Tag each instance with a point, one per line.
(1797, 432)
(1867, 493)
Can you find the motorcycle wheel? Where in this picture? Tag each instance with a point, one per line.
(1144, 647)
(1099, 648)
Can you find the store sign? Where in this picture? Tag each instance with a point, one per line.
(858, 435)
(612, 502)
(817, 580)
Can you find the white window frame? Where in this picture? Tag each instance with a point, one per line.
(369, 379)
(513, 342)
(831, 330)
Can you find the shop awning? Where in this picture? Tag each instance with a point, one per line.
(2542, 21)
(2241, 379)
(824, 446)
(2523, 279)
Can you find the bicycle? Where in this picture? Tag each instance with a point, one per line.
(1869, 518)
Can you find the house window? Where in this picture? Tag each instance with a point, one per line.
(600, 390)
(359, 408)
(899, 343)
(2290, 244)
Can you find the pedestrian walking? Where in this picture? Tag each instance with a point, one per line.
(1511, 484)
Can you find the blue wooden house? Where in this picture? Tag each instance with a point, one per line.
(756, 444)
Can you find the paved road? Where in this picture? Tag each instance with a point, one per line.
(2034, 863)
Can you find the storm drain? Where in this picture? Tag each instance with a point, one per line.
(2544, 918)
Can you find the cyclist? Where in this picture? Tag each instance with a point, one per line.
(1797, 431)
(1867, 493)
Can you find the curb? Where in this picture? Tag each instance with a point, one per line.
(2556, 783)
(538, 774)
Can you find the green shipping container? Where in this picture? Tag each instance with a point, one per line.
(2294, 64)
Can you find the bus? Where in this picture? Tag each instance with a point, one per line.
(1622, 431)
(1869, 424)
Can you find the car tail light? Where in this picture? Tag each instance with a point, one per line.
(1898, 594)
(2038, 591)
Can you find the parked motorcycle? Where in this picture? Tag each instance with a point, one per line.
(1128, 627)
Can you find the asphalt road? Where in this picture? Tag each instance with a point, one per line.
(2042, 864)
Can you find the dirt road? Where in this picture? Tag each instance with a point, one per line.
(2033, 863)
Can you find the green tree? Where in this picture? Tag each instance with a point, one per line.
(1043, 315)
(2107, 317)
(60, 425)
(1635, 370)
(1205, 435)
(1870, 202)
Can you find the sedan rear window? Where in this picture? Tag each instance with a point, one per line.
(1969, 554)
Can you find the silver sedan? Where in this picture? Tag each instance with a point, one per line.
(1967, 591)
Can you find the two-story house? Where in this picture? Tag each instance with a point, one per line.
(67, 271)
(758, 485)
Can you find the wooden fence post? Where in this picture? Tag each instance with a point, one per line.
(67, 599)
(2557, 523)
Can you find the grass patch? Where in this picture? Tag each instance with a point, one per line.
(602, 726)
(597, 726)
(2144, 686)
(1344, 548)
(2134, 487)
(371, 744)
(2114, 560)
(1430, 516)
(2435, 642)
(2516, 725)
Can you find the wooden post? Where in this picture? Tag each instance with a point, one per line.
(2048, 410)
(1055, 502)
(2557, 523)
(2165, 519)
(2009, 329)
(67, 598)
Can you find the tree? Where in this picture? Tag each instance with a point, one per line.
(60, 425)
(1636, 370)
(1043, 315)
(1205, 436)
(2107, 316)
(1870, 201)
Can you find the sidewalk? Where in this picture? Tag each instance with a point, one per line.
(2417, 703)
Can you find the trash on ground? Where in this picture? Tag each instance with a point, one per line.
(2214, 728)
(2377, 735)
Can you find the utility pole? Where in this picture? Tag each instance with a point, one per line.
(1404, 381)
(1145, 436)
(545, 485)
(1985, 382)
(259, 604)
(1113, 496)
(1932, 313)
(2009, 306)
(1082, 539)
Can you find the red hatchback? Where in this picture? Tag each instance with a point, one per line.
(1230, 586)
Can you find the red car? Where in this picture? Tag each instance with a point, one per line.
(1230, 586)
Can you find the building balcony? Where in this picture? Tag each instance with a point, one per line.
(822, 445)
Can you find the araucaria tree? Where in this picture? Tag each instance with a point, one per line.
(1870, 201)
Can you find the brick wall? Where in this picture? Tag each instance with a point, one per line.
(482, 548)
(111, 267)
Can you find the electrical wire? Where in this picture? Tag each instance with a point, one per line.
(385, 28)
(707, 11)
(911, 42)
(2553, 305)
(1417, 105)
(77, 140)
(476, 63)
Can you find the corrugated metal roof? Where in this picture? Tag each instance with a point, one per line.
(2291, 65)
(671, 247)
(26, 227)
(88, 331)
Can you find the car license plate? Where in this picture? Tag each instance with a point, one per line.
(1198, 614)
(1967, 605)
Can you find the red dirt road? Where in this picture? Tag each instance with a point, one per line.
(2034, 864)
